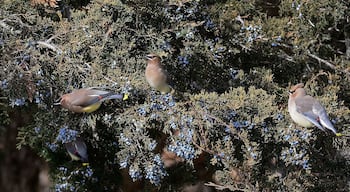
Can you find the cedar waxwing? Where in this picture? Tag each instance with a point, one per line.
(170, 159)
(77, 150)
(307, 111)
(156, 75)
(87, 99)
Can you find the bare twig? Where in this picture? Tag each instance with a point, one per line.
(9, 28)
(322, 60)
(329, 64)
(221, 187)
(287, 57)
(218, 187)
(347, 45)
(205, 150)
(313, 25)
(110, 80)
(239, 18)
(50, 46)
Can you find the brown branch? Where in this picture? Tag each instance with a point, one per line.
(329, 64)
(322, 60)
(221, 187)
(203, 149)
(50, 46)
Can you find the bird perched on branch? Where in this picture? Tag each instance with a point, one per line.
(87, 99)
(307, 111)
(77, 150)
(155, 74)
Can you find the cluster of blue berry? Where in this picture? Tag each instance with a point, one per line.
(82, 175)
(66, 135)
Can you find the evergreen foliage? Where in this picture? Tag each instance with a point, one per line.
(231, 64)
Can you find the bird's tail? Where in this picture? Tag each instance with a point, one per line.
(111, 95)
(124, 96)
(327, 123)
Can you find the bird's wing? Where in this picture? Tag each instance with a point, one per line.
(164, 86)
(88, 96)
(70, 147)
(81, 147)
(168, 77)
(79, 143)
(99, 98)
(323, 117)
(306, 106)
(96, 91)
(163, 74)
(72, 151)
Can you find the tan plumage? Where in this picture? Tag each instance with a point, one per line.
(156, 75)
(87, 99)
(307, 111)
(170, 159)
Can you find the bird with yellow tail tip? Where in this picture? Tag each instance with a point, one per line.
(307, 111)
(77, 150)
(155, 74)
(87, 100)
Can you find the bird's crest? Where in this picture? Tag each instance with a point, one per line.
(295, 87)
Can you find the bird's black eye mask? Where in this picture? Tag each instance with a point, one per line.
(291, 92)
(150, 57)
